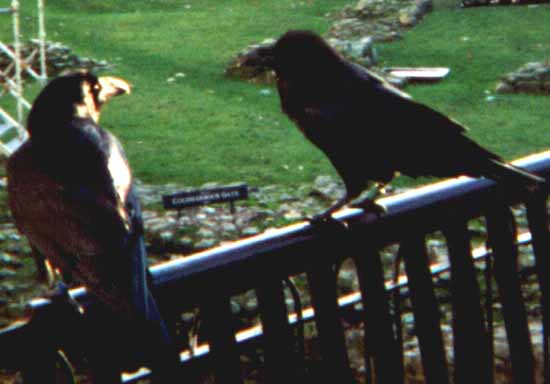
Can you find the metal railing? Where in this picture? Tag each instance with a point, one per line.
(207, 280)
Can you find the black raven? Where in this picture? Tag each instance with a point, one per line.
(369, 129)
(71, 194)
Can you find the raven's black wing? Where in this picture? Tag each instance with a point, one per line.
(366, 126)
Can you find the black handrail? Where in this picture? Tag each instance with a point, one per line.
(212, 276)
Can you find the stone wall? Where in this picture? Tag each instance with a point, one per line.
(383, 20)
(353, 33)
(59, 58)
(532, 78)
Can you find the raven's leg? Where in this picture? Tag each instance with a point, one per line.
(326, 215)
(325, 222)
(367, 202)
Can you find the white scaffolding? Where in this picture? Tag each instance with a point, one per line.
(12, 129)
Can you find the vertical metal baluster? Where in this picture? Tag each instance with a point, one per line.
(322, 284)
(278, 341)
(501, 227)
(537, 215)
(369, 369)
(219, 323)
(426, 311)
(379, 333)
(472, 358)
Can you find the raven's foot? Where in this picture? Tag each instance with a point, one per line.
(325, 217)
(369, 205)
(324, 221)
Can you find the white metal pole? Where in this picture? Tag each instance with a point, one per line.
(18, 79)
(42, 41)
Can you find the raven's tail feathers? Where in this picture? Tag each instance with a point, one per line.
(510, 174)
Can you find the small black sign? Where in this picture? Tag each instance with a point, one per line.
(196, 197)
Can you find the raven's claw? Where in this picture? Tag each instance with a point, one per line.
(369, 205)
(325, 221)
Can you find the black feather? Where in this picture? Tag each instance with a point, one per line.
(370, 130)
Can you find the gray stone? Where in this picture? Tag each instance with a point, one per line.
(251, 303)
(9, 261)
(147, 215)
(166, 235)
(206, 243)
(410, 16)
(208, 210)
(14, 236)
(228, 227)
(160, 224)
(293, 214)
(9, 287)
(204, 232)
(5, 273)
(504, 87)
(383, 20)
(250, 231)
(326, 188)
(347, 280)
(529, 86)
(531, 78)
(235, 307)
(185, 241)
(269, 189)
(352, 34)
(59, 58)
(287, 197)
(210, 223)
(361, 51)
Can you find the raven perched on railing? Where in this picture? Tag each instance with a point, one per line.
(370, 130)
(71, 194)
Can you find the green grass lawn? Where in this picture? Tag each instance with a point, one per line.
(205, 127)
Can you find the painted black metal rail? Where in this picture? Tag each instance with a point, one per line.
(207, 280)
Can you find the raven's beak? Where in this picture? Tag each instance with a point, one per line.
(262, 57)
(112, 86)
